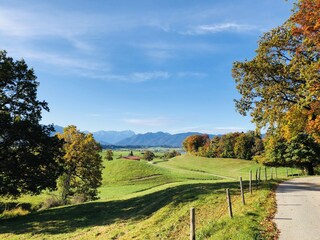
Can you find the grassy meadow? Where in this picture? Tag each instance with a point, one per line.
(151, 200)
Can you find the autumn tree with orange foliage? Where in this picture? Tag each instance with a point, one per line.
(306, 20)
(197, 144)
(306, 25)
(280, 86)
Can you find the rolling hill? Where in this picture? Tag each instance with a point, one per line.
(138, 196)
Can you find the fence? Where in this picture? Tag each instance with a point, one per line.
(272, 174)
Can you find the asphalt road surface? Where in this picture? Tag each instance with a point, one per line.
(298, 209)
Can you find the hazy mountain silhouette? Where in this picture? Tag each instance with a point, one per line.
(129, 138)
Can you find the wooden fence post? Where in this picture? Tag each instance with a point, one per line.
(250, 182)
(256, 178)
(229, 203)
(276, 173)
(259, 175)
(265, 174)
(192, 224)
(242, 193)
(287, 172)
(271, 174)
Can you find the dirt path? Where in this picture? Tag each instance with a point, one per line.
(298, 209)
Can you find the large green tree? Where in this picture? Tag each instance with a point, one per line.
(302, 152)
(82, 165)
(28, 154)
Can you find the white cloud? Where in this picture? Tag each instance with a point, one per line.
(139, 77)
(159, 55)
(150, 122)
(161, 51)
(95, 115)
(46, 22)
(191, 75)
(60, 60)
(136, 77)
(220, 27)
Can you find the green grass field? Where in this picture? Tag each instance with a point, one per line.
(142, 200)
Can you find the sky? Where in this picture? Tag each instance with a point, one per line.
(147, 65)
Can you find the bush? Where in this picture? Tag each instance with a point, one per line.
(80, 198)
(172, 154)
(148, 155)
(50, 202)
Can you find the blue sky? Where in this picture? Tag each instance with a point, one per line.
(143, 65)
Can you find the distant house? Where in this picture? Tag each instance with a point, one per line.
(132, 158)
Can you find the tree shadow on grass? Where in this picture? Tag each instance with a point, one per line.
(70, 218)
(12, 205)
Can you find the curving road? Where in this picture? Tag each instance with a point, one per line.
(298, 209)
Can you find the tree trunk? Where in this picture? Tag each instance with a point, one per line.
(310, 169)
(65, 187)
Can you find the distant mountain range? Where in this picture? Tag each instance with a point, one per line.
(129, 138)
(112, 137)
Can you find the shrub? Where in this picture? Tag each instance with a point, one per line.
(80, 198)
(50, 202)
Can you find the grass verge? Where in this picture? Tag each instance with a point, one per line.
(163, 214)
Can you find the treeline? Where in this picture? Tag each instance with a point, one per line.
(232, 145)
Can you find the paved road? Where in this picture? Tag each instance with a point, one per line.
(298, 209)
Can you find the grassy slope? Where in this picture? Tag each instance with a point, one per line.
(158, 215)
(230, 168)
(124, 177)
(145, 201)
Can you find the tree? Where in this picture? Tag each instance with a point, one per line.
(82, 164)
(306, 20)
(171, 154)
(130, 154)
(258, 147)
(215, 146)
(271, 83)
(194, 143)
(29, 156)
(242, 147)
(109, 155)
(306, 25)
(302, 152)
(280, 86)
(227, 143)
(148, 155)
